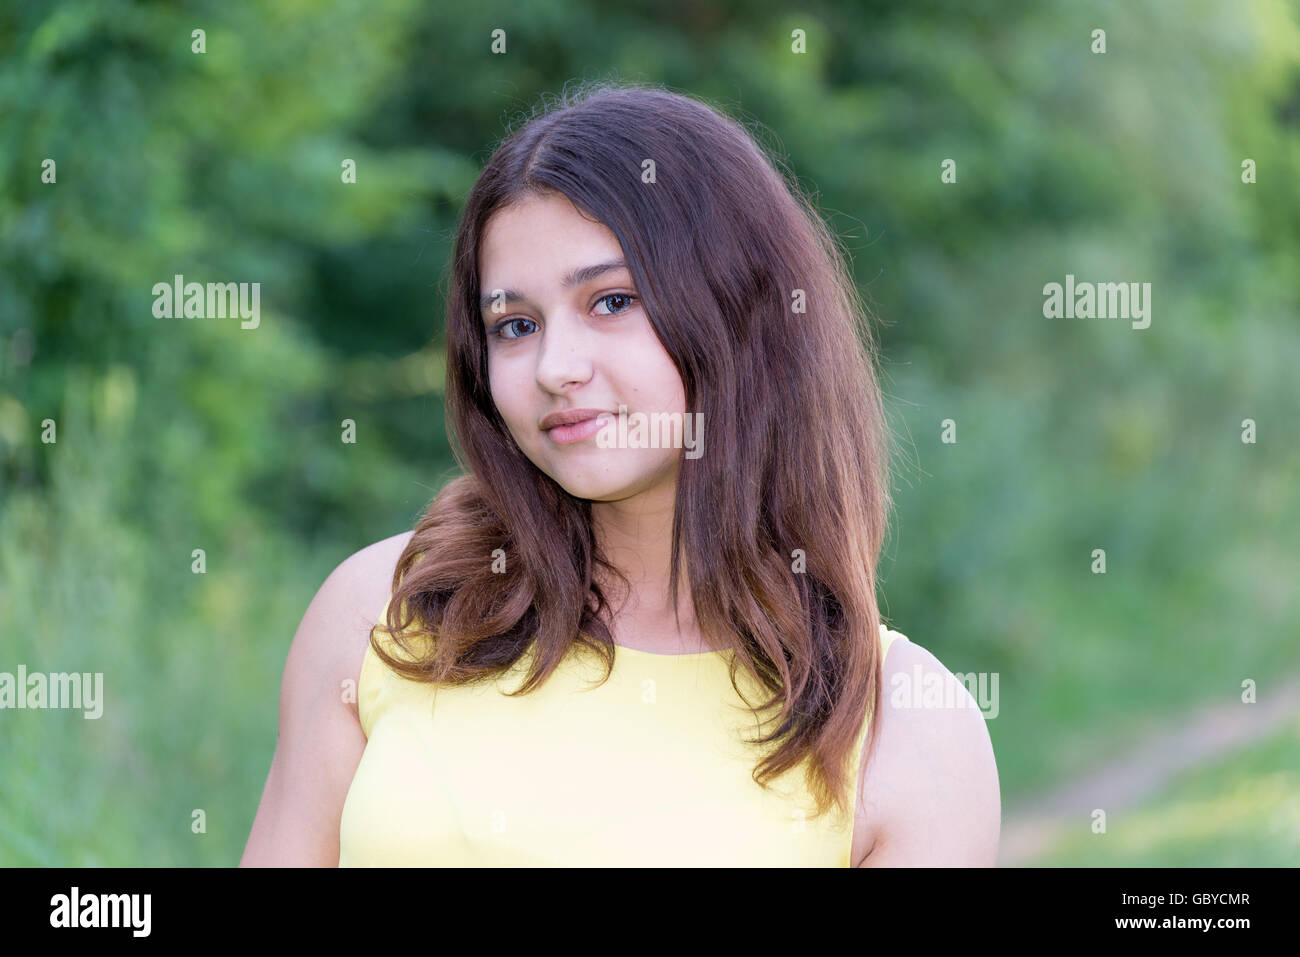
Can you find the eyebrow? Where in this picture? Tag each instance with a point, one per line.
(579, 275)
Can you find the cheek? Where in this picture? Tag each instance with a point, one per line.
(504, 396)
(664, 386)
(653, 380)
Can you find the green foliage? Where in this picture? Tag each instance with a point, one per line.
(176, 434)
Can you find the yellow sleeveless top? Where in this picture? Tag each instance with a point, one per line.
(648, 769)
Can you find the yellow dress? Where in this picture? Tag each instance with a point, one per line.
(649, 769)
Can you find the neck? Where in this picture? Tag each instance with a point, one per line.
(635, 536)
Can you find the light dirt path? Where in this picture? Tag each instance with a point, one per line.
(1032, 825)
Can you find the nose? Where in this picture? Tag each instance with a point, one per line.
(564, 357)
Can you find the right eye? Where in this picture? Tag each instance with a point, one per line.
(506, 324)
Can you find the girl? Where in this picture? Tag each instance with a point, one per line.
(641, 629)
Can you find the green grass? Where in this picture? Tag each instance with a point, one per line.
(1243, 811)
(192, 666)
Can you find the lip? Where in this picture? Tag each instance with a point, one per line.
(569, 417)
(589, 422)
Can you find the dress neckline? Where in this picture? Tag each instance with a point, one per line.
(655, 654)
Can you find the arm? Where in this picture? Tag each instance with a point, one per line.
(320, 740)
(932, 786)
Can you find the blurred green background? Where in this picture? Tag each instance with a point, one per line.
(177, 434)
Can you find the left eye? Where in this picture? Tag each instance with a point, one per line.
(627, 298)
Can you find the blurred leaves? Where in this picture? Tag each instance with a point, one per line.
(175, 434)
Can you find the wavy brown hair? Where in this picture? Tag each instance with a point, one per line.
(723, 251)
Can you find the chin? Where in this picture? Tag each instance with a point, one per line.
(595, 490)
(598, 486)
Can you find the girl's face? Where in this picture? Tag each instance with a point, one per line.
(565, 331)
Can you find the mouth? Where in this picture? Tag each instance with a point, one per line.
(564, 428)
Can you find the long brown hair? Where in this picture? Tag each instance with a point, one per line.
(780, 521)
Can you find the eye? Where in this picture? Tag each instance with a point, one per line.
(626, 297)
(509, 322)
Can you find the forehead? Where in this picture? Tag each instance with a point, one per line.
(542, 236)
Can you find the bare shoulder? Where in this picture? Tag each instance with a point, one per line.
(931, 787)
(366, 576)
(352, 597)
(320, 741)
(330, 645)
